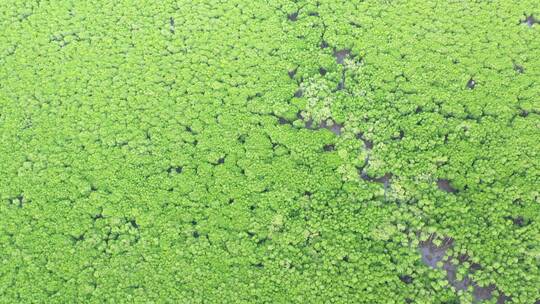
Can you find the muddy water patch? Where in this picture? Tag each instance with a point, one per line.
(334, 127)
(171, 25)
(518, 221)
(368, 144)
(324, 45)
(530, 21)
(293, 16)
(399, 136)
(406, 279)
(341, 55)
(328, 124)
(433, 255)
(385, 179)
(283, 121)
(292, 73)
(519, 68)
(471, 84)
(329, 148)
(445, 185)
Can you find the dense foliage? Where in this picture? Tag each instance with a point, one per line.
(235, 151)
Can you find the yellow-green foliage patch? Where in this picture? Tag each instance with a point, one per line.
(242, 151)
